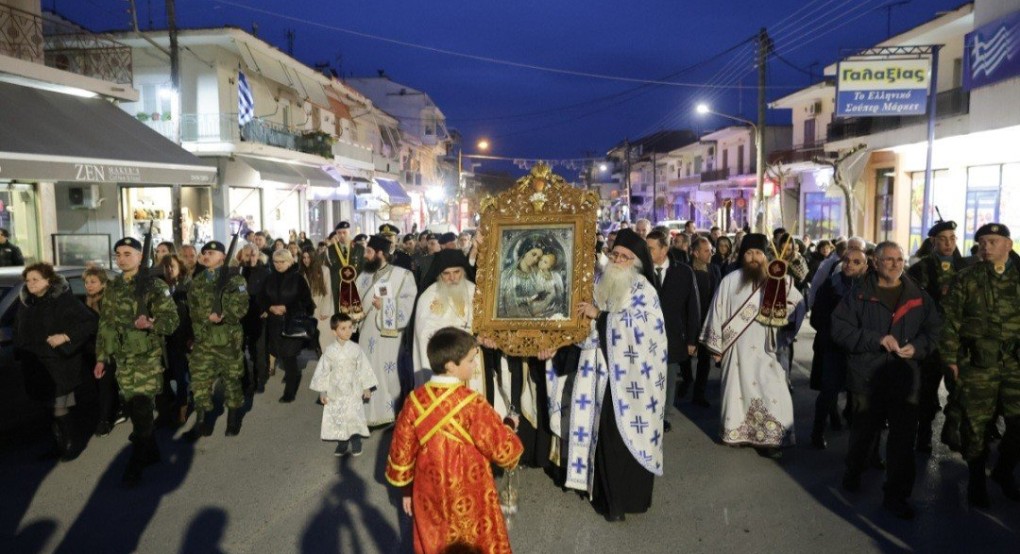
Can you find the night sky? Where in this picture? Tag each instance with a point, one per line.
(541, 114)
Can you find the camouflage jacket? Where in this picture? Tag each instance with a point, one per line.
(117, 337)
(201, 297)
(933, 274)
(982, 315)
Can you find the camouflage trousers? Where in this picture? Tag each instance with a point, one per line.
(139, 376)
(211, 363)
(979, 392)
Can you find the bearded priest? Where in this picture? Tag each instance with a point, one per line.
(751, 308)
(388, 293)
(611, 424)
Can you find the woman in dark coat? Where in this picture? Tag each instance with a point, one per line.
(285, 295)
(179, 343)
(54, 328)
(255, 272)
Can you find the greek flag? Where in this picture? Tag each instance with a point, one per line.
(245, 101)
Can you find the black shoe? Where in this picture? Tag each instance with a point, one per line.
(701, 401)
(899, 507)
(769, 452)
(197, 430)
(666, 426)
(851, 482)
(818, 441)
(1006, 481)
(356, 449)
(977, 489)
(103, 428)
(681, 392)
(233, 422)
(63, 433)
(951, 437)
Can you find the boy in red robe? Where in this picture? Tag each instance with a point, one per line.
(444, 440)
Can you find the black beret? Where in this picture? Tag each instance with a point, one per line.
(992, 229)
(447, 238)
(430, 236)
(342, 225)
(130, 242)
(388, 229)
(360, 236)
(214, 245)
(380, 243)
(941, 226)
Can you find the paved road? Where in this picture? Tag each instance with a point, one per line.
(277, 488)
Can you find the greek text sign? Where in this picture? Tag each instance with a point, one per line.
(869, 88)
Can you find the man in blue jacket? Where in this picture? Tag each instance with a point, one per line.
(886, 324)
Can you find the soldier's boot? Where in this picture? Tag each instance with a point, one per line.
(1003, 473)
(150, 452)
(233, 422)
(64, 434)
(951, 434)
(133, 472)
(144, 451)
(977, 488)
(198, 430)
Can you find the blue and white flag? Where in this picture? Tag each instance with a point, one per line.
(245, 101)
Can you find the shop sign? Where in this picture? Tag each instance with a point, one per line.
(60, 171)
(992, 52)
(871, 88)
(367, 203)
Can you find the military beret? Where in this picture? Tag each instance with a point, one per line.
(130, 242)
(941, 226)
(342, 225)
(388, 229)
(379, 242)
(992, 229)
(214, 245)
(360, 237)
(430, 236)
(447, 238)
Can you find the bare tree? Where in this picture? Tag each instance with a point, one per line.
(846, 172)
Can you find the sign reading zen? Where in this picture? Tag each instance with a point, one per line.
(99, 173)
(870, 88)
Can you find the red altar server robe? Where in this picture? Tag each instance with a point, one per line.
(444, 439)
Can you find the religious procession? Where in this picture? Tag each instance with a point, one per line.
(536, 341)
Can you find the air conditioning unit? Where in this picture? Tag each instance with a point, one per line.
(83, 197)
(815, 109)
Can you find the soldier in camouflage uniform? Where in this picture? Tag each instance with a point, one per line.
(980, 343)
(217, 353)
(933, 273)
(134, 341)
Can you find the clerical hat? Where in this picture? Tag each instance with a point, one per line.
(992, 229)
(214, 245)
(443, 260)
(446, 238)
(379, 243)
(941, 226)
(130, 242)
(632, 241)
(753, 241)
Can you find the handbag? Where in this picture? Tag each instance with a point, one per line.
(299, 327)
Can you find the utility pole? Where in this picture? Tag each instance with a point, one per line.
(175, 111)
(290, 43)
(626, 175)
(764, 49)
(655, 192)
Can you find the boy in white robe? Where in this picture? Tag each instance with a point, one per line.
(344, 380)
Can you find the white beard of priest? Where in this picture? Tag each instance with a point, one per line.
(619, 384)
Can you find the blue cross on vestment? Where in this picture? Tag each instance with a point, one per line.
(653, 405)
(618, 372)
(587, 368)
(656, 437)
(623, 406)
(630, 354)
(642, 315)
(635, 389)
(638, 300)
(627, 319)
(638, 335)
(639, 424)
(614, 336)
(581, 434)
(371, 345)
(578, 465)
(583, 402)
(645, 455)
(646, 370)
(660, 325)
(660, 381)
(653, 347)
(550, 373)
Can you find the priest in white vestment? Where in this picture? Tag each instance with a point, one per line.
(751, 307)
(387, 293)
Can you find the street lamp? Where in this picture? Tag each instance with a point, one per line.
(703, 109)
(483, 145)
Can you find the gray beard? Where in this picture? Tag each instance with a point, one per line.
(612, 291)
(457, 295)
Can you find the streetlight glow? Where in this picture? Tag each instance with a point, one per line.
(702, 109)
(483, 145)
(603, 167)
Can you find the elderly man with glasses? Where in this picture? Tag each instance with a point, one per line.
(886, 325)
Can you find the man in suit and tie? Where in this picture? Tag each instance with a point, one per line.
(678, 295)
(707, 277)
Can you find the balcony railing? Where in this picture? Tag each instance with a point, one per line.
(686, 181)
(948, 103)
(61, 45)
(715, 175)
(353, 152)
(801, 154)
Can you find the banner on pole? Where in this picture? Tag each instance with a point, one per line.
(882, 87)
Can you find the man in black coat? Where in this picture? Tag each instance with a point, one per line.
(707, 278)
(10, 255)
(886, 325)
(679, 298)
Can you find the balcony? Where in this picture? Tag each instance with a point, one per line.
(687, 181)
(715, 175)
(803, 153)
(58, 44)
(224, 127)
(353, 152)
(948, 103)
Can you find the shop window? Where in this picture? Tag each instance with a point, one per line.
(823, 215)
(144, 205)
(18, 215)
(245, 208)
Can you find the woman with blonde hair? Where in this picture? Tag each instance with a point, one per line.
(284, 298)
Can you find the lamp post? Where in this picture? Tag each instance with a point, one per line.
(703, 109)
(482, 145)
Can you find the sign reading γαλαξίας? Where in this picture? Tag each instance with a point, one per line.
(870, 88)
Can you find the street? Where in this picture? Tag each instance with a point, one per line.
(278, 488)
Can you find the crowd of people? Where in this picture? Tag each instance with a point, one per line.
(389, 318)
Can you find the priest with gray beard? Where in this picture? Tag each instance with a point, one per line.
(607, 394)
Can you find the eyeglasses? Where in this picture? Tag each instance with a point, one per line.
(620, 257)
(897, 261)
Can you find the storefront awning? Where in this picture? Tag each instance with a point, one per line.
(320, 176)
(49, 136)
(294, 173)
(394, 190)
